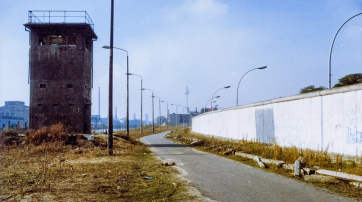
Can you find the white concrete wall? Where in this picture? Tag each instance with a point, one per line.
(329, 118)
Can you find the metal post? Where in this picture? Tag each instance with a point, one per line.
(237, 90)
(176, 117)
(141, 107)
(127, 99)
(159, 109)
(330, 52)
(153, 115)
(110, 93)
(183, 120)
(167, 116)
(212, 99)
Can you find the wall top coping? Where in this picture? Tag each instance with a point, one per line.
(325, 92)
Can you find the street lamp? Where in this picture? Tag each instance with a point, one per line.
(237, 91)
(208, 101)
(215, 93)
(107, 47)
(153, 117)
(166, 114)
(330, 52)
(141, 99)
(176, 114)
(159, 109)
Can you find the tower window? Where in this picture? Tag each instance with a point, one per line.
(40, 105)
(55, 105)
(62, 40)
(43, 85)
(53, 39)
(72, 40)
(71, 105)
(69, 85)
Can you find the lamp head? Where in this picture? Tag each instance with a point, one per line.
(106, 47)
(227, 87)
(217, 97)
(262, 67)
(129, 74)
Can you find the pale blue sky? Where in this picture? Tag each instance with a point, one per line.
(203, 44)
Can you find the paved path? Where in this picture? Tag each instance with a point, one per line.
(222, 179)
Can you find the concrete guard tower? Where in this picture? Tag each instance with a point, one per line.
(60, 69)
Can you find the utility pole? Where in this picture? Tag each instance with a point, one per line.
(110, 93)
(153, 115)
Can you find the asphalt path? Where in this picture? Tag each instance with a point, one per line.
(222, 179)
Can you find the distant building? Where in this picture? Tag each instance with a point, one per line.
(134, 116)
(61, 71)
(146, 120)
(182, 119)
(14, 112)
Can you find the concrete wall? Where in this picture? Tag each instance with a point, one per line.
(329, 118)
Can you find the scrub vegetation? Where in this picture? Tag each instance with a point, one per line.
(48, 164)
(311, 158)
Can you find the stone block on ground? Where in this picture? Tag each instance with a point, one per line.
(297, 168)
(261, 164)
(288, 166)
(357, 184)
(309, 171)
(320, 179)
(340, 175)
(273, 162)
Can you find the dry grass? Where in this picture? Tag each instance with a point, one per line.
(287, 154)
(48, 166)
(272, 151)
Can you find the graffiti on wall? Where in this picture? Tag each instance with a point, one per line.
(354, 119)
(354, 137)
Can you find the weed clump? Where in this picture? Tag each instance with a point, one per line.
(8, 137)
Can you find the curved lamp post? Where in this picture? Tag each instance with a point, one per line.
(208, 101)
(159, 110)
(176, 114)
(153, 117)
(237, 91)
(166, 114)
(141, 100)
(330, 52)
(215, 93)
(107, 47)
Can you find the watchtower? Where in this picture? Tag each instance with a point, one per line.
(60, 69)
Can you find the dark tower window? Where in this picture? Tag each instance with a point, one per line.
(72, 40)
(71, 105)
(55, 105)
(43, 86)
(62, 40)
(69, 85)
(40, 105)
(42, 40)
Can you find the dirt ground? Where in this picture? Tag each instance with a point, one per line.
(85, 172)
